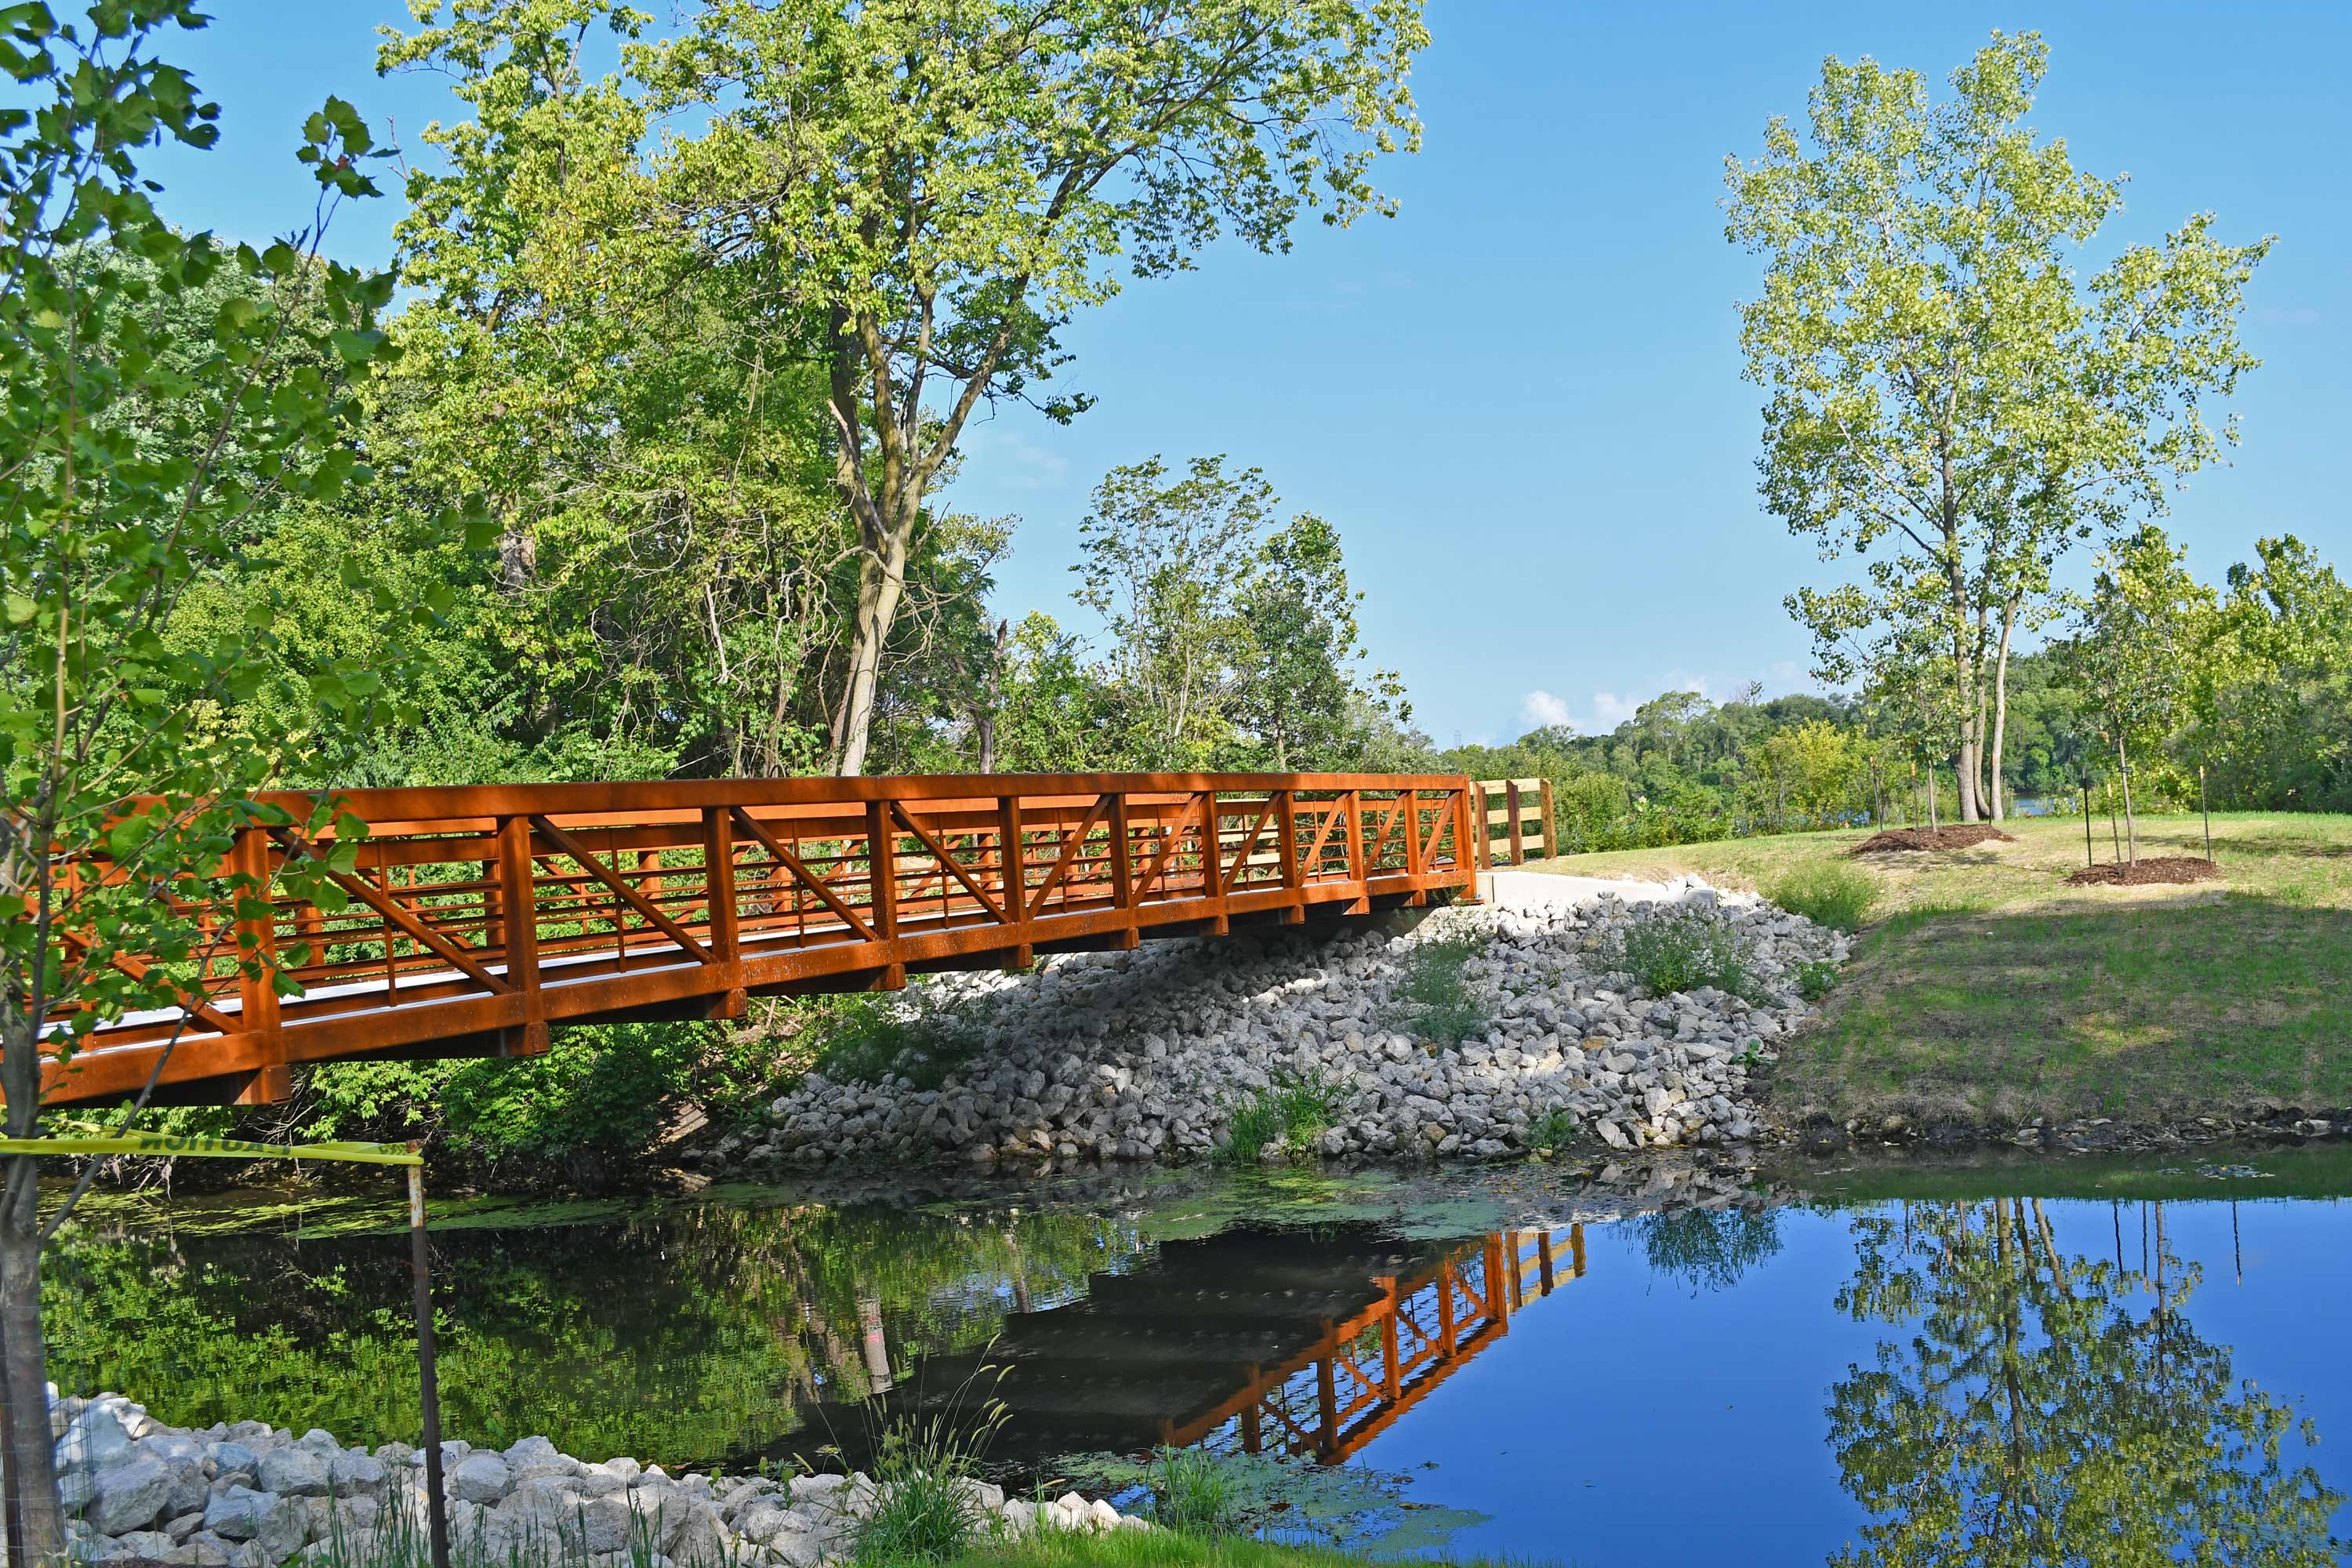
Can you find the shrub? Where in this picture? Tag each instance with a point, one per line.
(1827, 893)
(865, 1037)
(860, 1037)
(1682, 950)
(601, 1087)
(1293, 1113)
(1815, 979)
(1433, 999)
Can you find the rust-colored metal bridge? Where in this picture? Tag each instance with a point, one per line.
(1264, 1341)
(1328, 1400)
(476, 916)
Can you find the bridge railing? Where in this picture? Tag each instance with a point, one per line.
(1330, 1400)
(473, 917)
(1517, 811)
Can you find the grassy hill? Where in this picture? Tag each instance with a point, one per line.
(1986, 991)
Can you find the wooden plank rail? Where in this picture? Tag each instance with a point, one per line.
(1520, 810)
(478, 916)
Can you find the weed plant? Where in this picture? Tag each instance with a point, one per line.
(1172, 1549)
(1831, 893)
(1192, 1491)
(1816, 979)
(1273, 1504)
(926, 1507)
(1292, 1113)
(1682, 950)
(1433, 999)
(1554, 1133)
(401, 1540)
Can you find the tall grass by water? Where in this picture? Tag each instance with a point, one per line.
(1291, 1113)
(1192, 1491)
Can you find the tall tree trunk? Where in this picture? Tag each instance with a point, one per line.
(518, 556)
(23, 1363)
(2000, 706)
(881, 582)
(1967, 698)
(24, 1376)
(992, 696)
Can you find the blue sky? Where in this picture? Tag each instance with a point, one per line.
(1520, 399)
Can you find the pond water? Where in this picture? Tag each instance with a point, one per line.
(1901, 1364)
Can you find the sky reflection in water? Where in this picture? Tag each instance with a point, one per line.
(1959, 1382)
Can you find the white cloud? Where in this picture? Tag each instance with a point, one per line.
(1011, 459)
(1608, 709)
(1677, 681)
(1540, 708)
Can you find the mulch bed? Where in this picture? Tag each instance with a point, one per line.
(1903, 839)
(2161, 868)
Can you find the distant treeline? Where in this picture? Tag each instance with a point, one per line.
(2264, 668)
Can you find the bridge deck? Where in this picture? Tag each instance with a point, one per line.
(473, 917)
(1312, 1345)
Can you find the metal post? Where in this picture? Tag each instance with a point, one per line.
(428, 1382)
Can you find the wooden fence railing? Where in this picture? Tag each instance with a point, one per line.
(476, 916)
(1519, 811)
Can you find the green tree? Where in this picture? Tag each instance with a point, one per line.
(2271, 698)
(1232, 642)
(1814, 769)
(1054, 713)
(2130, 652)
(139, 445)
(932, 188)
(1166, 564)
(667, 596)
(1945, 396)
(1296, 692)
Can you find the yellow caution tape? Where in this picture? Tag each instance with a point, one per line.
(170, 1143)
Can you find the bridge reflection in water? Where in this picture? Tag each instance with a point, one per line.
(1302, 1344)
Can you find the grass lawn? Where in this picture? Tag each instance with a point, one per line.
(1988, 992)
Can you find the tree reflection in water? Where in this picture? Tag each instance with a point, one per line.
(1707, 1249)
(688, 1335)
(2049, 1408)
